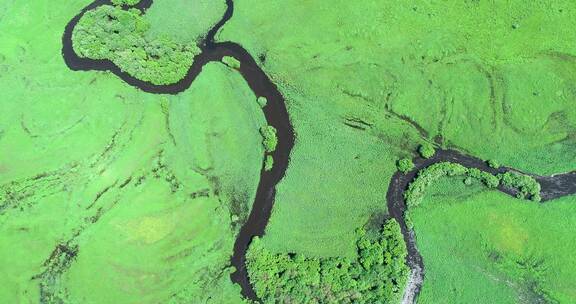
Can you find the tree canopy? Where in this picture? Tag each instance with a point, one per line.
(377, 275)
(110, 32)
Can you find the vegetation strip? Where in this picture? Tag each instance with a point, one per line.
(274, 111)
(446, 161)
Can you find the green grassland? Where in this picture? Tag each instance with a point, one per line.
(486, 247)
(182, 20)
(490, 79)
(146, 190)
(145, 193)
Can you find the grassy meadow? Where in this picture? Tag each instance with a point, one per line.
(184, 21)
(483, 246)
(367, 83)
(146, 190)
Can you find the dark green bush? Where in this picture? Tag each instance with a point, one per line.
(486, 178)
(494, 164)
(405, 165)
(262, 101)
(109, 32)
(231, 62)
(427, 176)
(527, 186)
(268, 163)
(270, 140)
(125, 2)
(426, 150)
(377, 275)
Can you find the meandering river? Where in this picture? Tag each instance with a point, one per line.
(277, 116)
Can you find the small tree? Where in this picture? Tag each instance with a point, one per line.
(268, 163)
(494, 164)
(231, 62)
(426, 150)
(262, 101)
(405, 165)
(270, 140)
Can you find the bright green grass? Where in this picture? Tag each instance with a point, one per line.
(165, 178)
(486, 247)
(183, 20)
(434, 62)
(341, 180)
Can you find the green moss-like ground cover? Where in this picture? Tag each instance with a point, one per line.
(182, 20)
(486, 247)
(147, 190)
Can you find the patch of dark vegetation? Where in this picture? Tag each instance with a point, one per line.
(524, 185)
(405, 165)
(239, 208)
(19, 194)
(162, 171)
(407, 119)
(527, 186)
(200, 193)
(101, 193)
(426, 150)
(376, 222)
(357, 123)
(377, 275)
(59, 262)
(270, 138)
(125, 182)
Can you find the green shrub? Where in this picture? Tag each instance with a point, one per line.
(486, 178)
(494, 164)
(231, 62)
(426, 150)
(262, 101)
(527, 186)
(427, 176)
(270, 140)
(268, 163)
(109, 32)
(405, 165)
(490, 180)
(378, 275)
(125, 2)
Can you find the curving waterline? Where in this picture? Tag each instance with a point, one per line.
(275, 113)
(553, 187)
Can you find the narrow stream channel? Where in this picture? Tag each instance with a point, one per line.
(277, 116)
